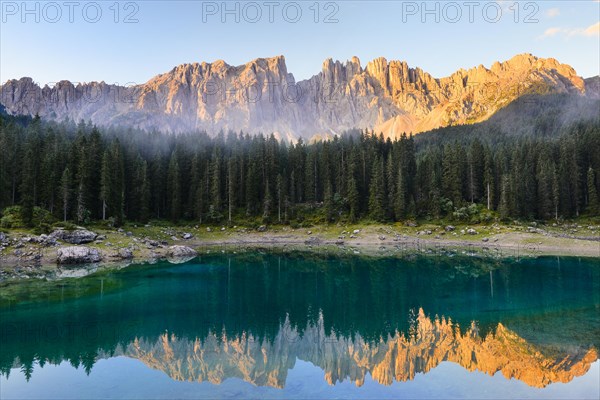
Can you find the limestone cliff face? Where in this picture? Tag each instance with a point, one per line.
(261, 96)
(592, 87)
(393, 358)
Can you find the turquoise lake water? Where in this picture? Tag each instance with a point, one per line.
(298, 326)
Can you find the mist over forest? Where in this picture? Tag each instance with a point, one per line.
(538, 159)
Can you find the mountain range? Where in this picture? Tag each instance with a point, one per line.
(263, 97)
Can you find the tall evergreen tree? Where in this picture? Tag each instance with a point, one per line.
(505, 197)
(476, 166)
(65, 192)
(377, 203)
(592, 192)
(106, 184)
(400, 199)
(174, 187)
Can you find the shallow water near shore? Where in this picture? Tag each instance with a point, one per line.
(301, 326)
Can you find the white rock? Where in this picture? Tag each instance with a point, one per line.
(78, 236)
(181, 251)
(78, 255)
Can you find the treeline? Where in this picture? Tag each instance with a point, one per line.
(76, 172)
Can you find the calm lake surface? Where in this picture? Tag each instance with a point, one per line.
(291, 326)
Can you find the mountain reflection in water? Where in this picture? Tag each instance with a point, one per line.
(253, 317)
(393, 358)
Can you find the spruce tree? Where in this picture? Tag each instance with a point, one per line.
(451, 176)
(377, 204)
(174, 188)
(267, 202)
(555, 193)
(353, 198)
(505, 198)
(65, 192)
(105, 182)
(400, 197)
(117, 197)
(476, 165)
(545, 208)
(145, 195)
(328, 201)
(231, 190)
(489, 180)
(391, 184)
(592, 193)
(215, 188)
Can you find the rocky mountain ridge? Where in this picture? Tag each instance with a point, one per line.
(263, 97)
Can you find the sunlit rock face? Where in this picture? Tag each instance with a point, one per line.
(263, 97)
(393, 358)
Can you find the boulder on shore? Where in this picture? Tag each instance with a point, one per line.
(78, 236)
(78, 255)
(180, 254)
(181, 251)
(125, 253)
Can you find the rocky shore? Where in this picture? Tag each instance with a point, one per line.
(24, 255)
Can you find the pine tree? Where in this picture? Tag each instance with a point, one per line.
(488, 180)
(400, 197)
(311, 177)
(117, 191)
(27, 189)
(505, 198)
(215, 188)
(105, 182)
(174, 187)
(65, 192)
(252, 189)
(555, 193)
(8, 162)
(353, 198)
(230, 188)
(377, 204)
(158, 180)
(83, 178)
(476, 165)
(451, 177)
(280, 198)
(391, 184)
(144, 193)
(544, 190)
(328, 201)
(199, 202)
(95, 155)
(29, 174)
(267, 202)
(592, 193)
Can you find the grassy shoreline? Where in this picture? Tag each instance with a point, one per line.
(24, 259)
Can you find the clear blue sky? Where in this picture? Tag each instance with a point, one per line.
(168, 33)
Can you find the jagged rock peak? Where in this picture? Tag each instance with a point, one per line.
(387, 96)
